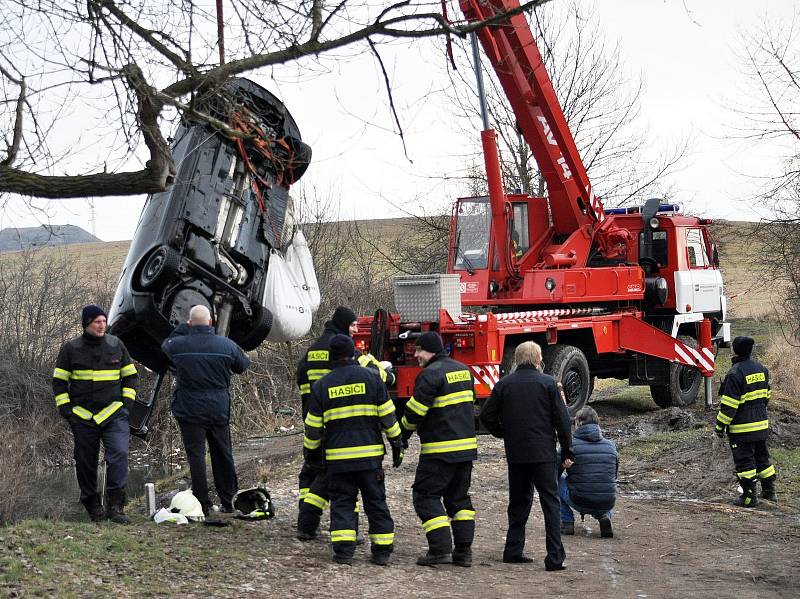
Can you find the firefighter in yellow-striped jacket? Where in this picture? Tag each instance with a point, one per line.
(94, 384)
(743, 414)
(313, 487)
(442, 413)
(348, 409)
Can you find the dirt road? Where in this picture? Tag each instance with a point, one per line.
(664, 544)
(661, 548)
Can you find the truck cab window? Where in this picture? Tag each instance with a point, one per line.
(520, 233)
(472, 238)
(696, 249)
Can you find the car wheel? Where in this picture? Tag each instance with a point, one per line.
(568, 365)
(160, 266)
(257, 330)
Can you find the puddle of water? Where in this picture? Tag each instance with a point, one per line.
(55, 493)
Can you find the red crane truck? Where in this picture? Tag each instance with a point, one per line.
(632, 293)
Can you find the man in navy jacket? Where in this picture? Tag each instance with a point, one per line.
(589, 486)
(203, 363)
(526, 411)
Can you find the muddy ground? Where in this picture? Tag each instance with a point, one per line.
(675, 533)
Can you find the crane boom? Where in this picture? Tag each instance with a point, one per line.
(510, 47)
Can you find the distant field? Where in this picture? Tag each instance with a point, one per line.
(748, 295)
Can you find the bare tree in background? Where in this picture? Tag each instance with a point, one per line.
(600, 102)
(769, 115)
(120, 68)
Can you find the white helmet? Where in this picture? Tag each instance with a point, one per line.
(185, 503)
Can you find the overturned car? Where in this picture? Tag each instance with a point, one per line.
(208, 239)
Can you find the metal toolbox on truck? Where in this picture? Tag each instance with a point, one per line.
(419, 297)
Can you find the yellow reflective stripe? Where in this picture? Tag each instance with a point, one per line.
(107, 412)
(757, 394)
(127, 370)
(452, 398)
(60, 373)
(313, 420)
(364, 360)
(417, 407)
(767, 472)
(339, 536)
(749, 427)
(350, 412)
(464, 515)
(729, 401)
(81, 412)
(407, 425)
(95, 375)
(359, 451)
(317, 373)
(386, 538)
(305, 388)
(311, 443)
(434, 523)
(385, 408)
(747, 473)
(316, 500)
(303, 493)
(393, 431)
(128, 393)
(61, 399)
(448, 446)
(724, 419)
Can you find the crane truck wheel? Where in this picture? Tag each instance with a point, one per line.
(684, 383)
(568, 365)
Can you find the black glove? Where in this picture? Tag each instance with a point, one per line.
(65, 410)
(405, 435)
(397, 454)
(314, 457)
(720, 431)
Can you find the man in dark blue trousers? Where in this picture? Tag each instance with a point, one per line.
(203, 363)
(590, 485)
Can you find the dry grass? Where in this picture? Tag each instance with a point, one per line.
(783, 362)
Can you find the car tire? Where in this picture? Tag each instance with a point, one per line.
(161, 265)
(256, 332)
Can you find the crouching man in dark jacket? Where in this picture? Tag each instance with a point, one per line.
(589, 486)
(203, 363)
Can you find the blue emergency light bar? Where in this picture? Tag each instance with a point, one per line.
(673, 208)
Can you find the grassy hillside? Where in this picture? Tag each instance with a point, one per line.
(739, 245)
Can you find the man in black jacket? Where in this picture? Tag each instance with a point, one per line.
(441, 411)
(526, 411)
(348, 409)
(94, 383)
(203, 363)
(590, 485)
(743, 414)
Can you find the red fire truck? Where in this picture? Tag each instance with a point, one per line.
(632, 293)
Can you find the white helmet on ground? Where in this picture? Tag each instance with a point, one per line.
(185, 503)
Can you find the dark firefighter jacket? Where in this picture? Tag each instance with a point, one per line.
(526, 411)
(316, 364)
(743, 401)
(95, 377)
(441, 411)
(203, 363)
(592, 479)
(347, 410)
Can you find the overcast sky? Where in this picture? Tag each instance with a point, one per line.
(684, 49)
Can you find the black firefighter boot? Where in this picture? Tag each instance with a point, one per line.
(768, 489)
(748, 497)
(116, 507)
(462, 555)
(92, 505)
